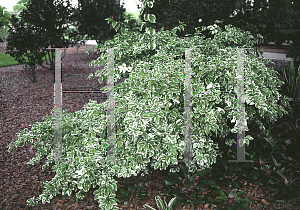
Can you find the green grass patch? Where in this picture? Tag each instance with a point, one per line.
(7, 60)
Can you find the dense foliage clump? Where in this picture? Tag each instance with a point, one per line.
(149, 109)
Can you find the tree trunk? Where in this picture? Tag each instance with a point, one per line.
(31, 75)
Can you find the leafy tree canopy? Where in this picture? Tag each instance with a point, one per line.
(266, 18)
(90, 18)
(4, 16)
(40, 25)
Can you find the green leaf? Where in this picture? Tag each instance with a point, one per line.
(152, 45)
(63, 169)
(221, 198)
(173, 113)
(160, 203)
(123, 30)
(207, 129)
(146, 17)
(122, 108)
(69, 192)
(156, 166)
(152, 18)
(242, 200)
(92, 175)
(214, 128)
(188, 184)
(115, 186)
(86, 188)
(171, 203)
(149, 207)
(108, 20)
(106, 193)
(150, 4)
(170, 182)
(80, 186)
(220, 192)
(114, 23)
(240, 194)
(156, 119)
(151, 31)
(141, 28)
(236, 185)
(209, 182)
(117, 27)
(202, 172)
(184, 170)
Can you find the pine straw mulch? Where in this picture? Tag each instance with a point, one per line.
(23, 104)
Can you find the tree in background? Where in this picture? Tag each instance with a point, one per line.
(193, 13)
(4, 20)
(4, 16)
(40, 25)
(91, 15)
(21, 5)
(19, 8)
(134, 16)
(23, 2)
(133, 21)
(71, 27)
(263, 17)
(268, 18)
(277, 20)
(33, 40)
(282, 18)
(249, 18)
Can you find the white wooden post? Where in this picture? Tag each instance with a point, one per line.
(58, 106)
(110, 107)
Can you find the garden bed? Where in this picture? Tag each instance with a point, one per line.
(24, 103)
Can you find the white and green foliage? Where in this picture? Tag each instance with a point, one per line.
(149, 108)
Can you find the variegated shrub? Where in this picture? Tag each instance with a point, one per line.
(149, 108)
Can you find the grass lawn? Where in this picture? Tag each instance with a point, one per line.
(7, 60)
